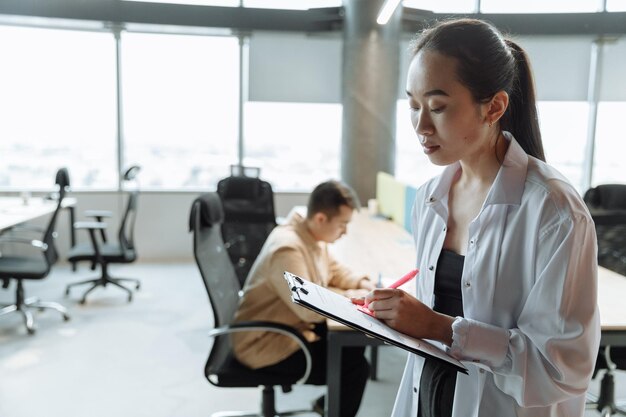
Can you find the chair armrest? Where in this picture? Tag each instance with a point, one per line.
(32, 242)
(27, 228)
(90, 225)
(98, 213)
(270, 326)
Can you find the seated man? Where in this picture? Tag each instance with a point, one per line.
(300, 247)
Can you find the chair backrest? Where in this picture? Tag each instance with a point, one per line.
(249, 218)
(217, 272)
(603, 201)
(126, 232)
(62, 179)
(606, 197)
(131, 173)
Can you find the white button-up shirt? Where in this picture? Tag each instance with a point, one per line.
(531, 329)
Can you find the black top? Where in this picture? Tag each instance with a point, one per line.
(438, 380)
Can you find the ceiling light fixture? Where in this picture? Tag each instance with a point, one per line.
(386, 11)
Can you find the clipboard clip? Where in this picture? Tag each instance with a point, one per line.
(295, 288)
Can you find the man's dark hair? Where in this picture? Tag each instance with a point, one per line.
(328, 196)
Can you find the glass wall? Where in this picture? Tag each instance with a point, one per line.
(180, 107)
(540, 6)
(180, 112)
(296, 145)
(57, 108)
(437, 6)
(564, 133)
(610, 148)
(560, 122)
(616, 5)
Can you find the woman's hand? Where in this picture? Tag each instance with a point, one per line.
(408, 315)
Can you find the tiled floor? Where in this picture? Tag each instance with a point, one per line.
(140, 359)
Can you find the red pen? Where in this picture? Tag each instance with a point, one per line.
(406, 278)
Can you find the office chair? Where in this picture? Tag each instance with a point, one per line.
(607, 205)
(20, 268)
(104, 253)
(222, 285)
(249, 218)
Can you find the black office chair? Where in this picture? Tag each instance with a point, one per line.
(607, 205)
(20, 268)
(249, 218)
(104, 253)
(222, 285)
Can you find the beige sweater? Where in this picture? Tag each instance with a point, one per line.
(289, 247)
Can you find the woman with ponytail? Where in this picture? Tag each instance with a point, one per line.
(505, 245)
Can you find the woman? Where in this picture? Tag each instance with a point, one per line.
(506, 247)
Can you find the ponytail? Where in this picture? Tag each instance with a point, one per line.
(521, 116)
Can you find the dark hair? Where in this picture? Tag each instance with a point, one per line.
(487, 63)
(328, 196)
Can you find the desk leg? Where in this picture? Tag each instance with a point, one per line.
(72, 233)
(373, 363)
(333, 375)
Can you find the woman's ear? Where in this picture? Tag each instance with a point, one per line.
(496, 107)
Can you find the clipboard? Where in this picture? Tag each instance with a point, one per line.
(339, 308)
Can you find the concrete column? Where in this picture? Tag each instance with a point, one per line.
(371, 65)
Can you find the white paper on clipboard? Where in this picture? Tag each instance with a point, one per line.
(339, 308)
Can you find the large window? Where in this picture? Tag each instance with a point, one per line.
(540, 6)
(265, 4)
(438, 6)
(616, 5)
(291, 4)
(564, 133)
(609, 166)
(57, 108)
(180, 101)
(296, 145)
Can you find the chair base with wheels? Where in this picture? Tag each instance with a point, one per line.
(605, 402)
(103, 281)
(24, 305)
(99, 255)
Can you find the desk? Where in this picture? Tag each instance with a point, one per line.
(13, 211)
(374, 245)
(611, 296)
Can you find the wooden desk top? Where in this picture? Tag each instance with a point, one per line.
(13, 211)
(375, 245)
(612, 300)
